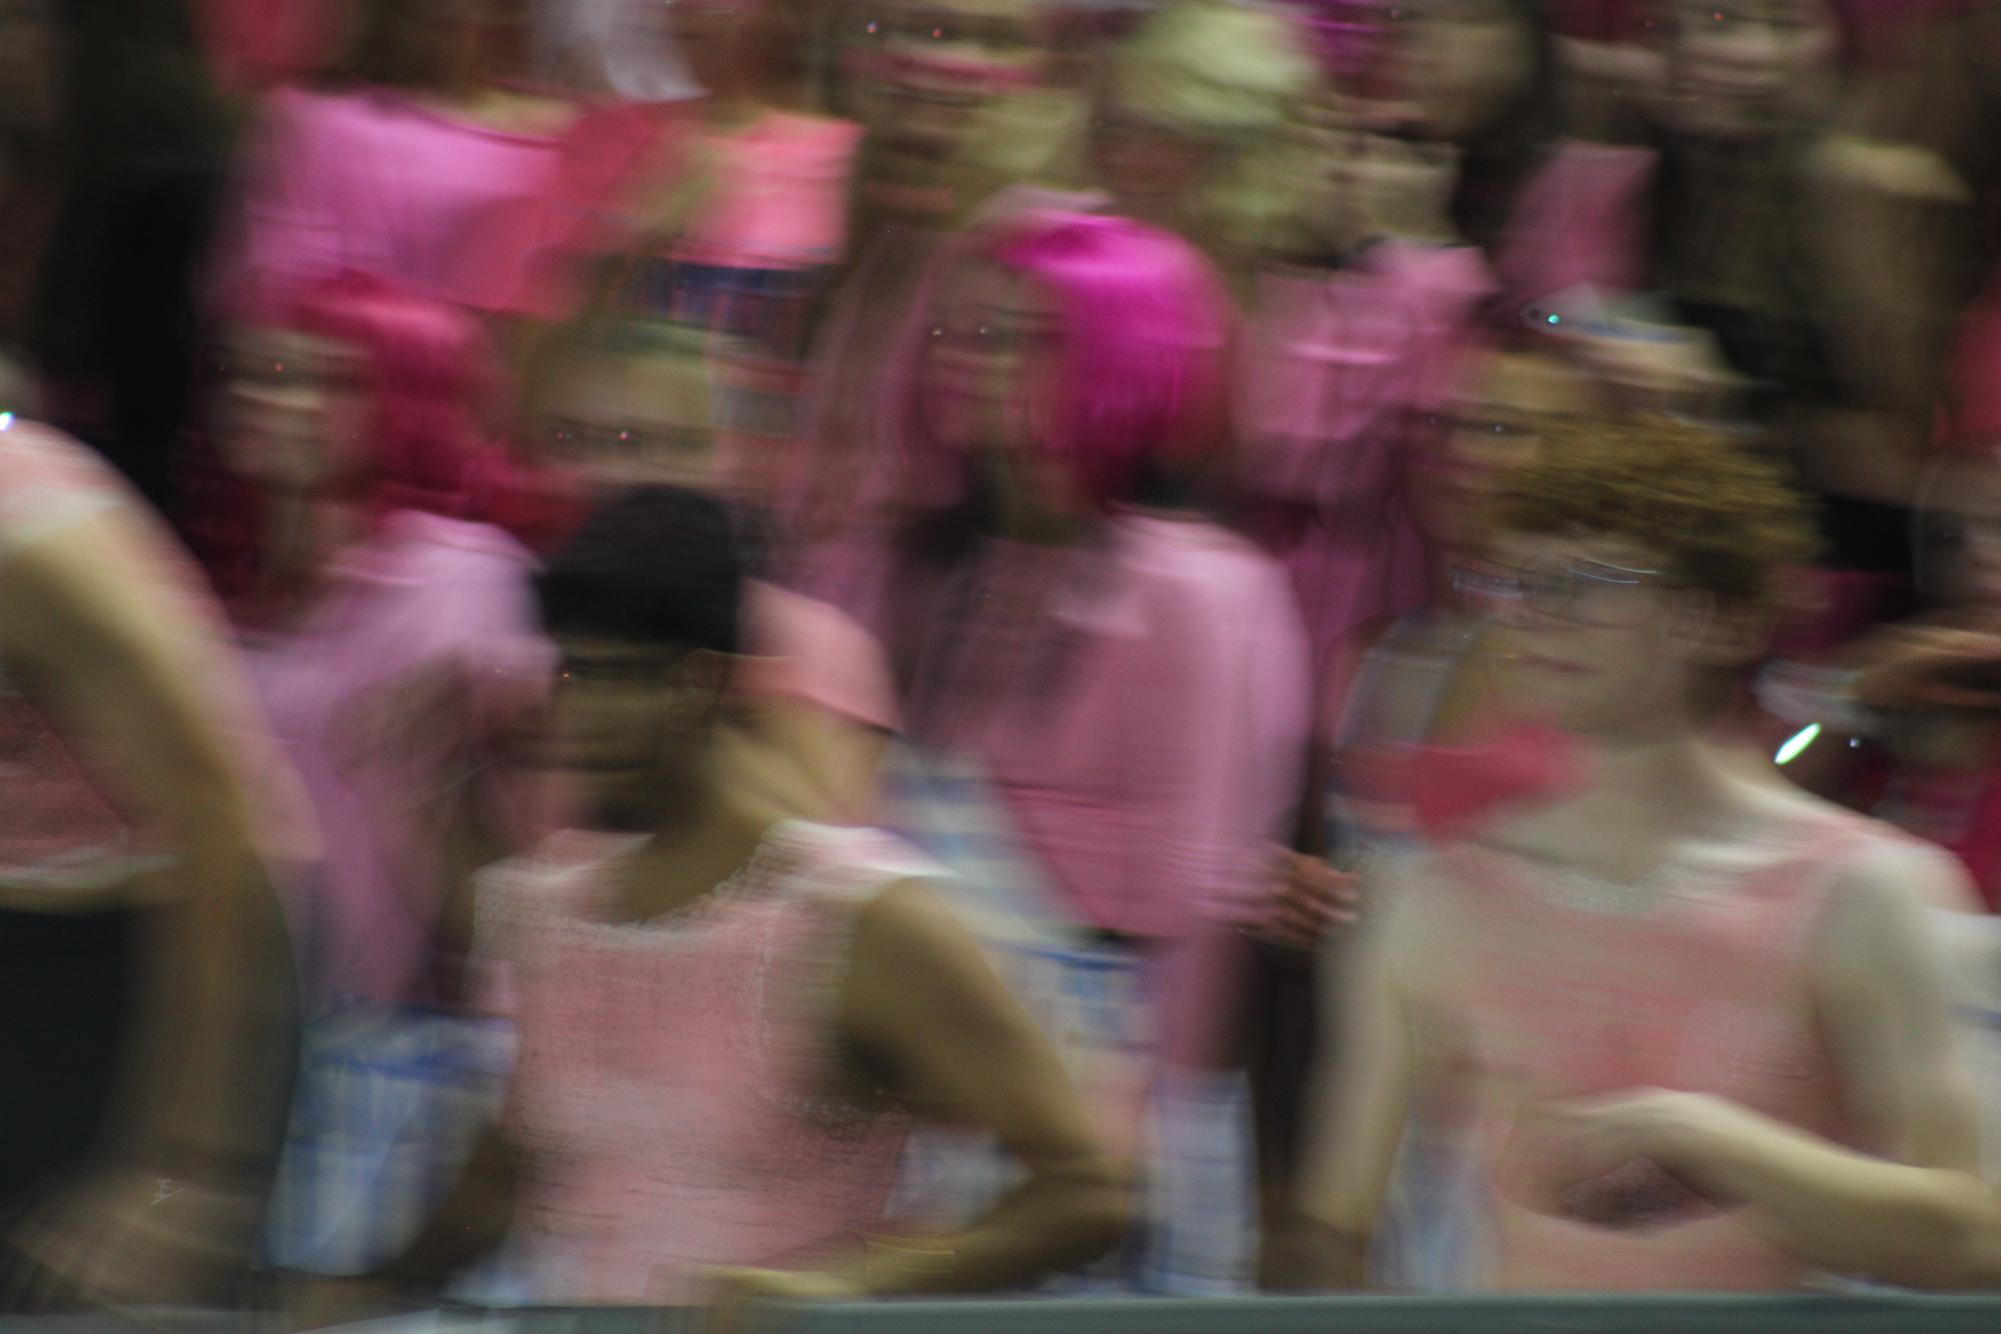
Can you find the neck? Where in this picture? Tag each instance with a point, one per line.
(1665, 775)
(707, 833)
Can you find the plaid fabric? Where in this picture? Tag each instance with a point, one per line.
(387, 1103)
(1096, 1002)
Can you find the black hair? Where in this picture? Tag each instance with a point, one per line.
(659, 566)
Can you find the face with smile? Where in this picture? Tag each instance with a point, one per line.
(289, 409)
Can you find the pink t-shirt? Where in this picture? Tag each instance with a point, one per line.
(1333, 367)
(1581, 221)
(67, 816)
(423, 649)
(1141, 708)
(372, 182)
(809, 651)
(676, 1093)
(780, 197)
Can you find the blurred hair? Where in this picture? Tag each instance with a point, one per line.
(1225, 76)
(1722, 520)
(658, 566)
(426, 374)
(1144, 329)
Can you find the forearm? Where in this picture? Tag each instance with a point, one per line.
(1054, 1221)
(1843, 1211)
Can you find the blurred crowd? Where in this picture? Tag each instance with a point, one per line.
(659, 652)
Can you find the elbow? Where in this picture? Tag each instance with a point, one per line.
(1099, 1209)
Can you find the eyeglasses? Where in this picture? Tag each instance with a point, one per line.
(1585, 592)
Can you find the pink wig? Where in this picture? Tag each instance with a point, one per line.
(426, 372)
(1144, 328)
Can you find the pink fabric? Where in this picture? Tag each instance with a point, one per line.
(1331, 369)
(65, 812)
(1708, 991)
(1142, 711)
(1454, 792)
(676, 1089)
(781, 195)
(423, 648)
(371, 182)
(810, 651)
(1581, 221)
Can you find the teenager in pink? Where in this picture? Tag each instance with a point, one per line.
(1130, 676)
(1652, 915)
(389, 631)
(618, 402)
(420, 167)
(726, 1018)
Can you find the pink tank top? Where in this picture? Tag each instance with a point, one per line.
(675, 1089)
(1559, 993)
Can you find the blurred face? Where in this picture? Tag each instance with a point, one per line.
(1367, 181)
(1146, 165)
(1959, 535)
(932, 66)
(289, 411)
(1590, 636)
(1464, 63)
(624, 421)
(618, 721)
(991, 370)
(1488, 430)
(1745, 69)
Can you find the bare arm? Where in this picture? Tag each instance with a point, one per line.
(1824, 1205)
(923, 1004)
(1880, 995)
(108, 643)
(1359, 1096)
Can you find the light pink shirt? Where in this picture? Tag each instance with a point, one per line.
(1142, 710)
(423, 648)
(676, 1095)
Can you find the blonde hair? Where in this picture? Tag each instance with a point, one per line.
(1227, 76)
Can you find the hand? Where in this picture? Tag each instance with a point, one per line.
(124, 1236)
(1625, 1160)
(735, 1294)
(1304, 900)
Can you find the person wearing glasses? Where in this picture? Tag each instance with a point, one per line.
(1629, 907)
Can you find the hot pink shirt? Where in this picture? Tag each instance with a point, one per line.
(372, 182)
(676, 1093)
(1707, 991)
(1142, 710)
(780, 197)
(422, 649)
(1332, 369)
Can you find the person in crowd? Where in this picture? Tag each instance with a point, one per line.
(1399, 684)
(726, 1018)
(418, 159)
(1185, 132)
(389, 631)
(963, 119)
(1129, 676)
(1635, 910)
(148, 823)
(623, 401)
